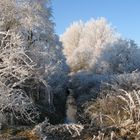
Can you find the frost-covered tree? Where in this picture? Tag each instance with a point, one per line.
(83, 42)
(121, 56)
(26, 54)
(72, 37)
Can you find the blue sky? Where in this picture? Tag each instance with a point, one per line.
(122, 14)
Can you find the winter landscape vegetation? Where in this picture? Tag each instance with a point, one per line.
(82, 85)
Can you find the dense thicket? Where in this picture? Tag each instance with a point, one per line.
(30, 53)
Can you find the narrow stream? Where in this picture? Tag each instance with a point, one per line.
(71, 109)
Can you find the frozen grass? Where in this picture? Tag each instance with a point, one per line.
(120, 110)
